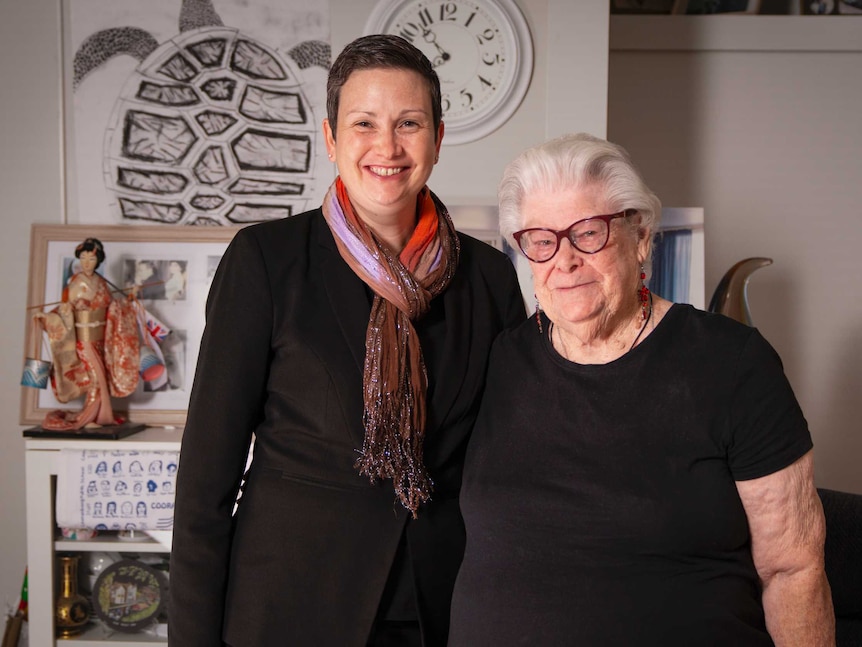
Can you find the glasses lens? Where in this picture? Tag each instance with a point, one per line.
(538, 244)
(589, 235)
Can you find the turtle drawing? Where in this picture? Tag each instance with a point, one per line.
(211, 128)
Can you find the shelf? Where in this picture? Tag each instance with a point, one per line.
(736, 33)
(95, 635)
(44, 542)
(151, 439)
(113, 544)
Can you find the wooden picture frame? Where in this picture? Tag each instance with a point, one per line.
(721, 7)
(644, 7)
(818, 8)
(849, 7)
(193, 251)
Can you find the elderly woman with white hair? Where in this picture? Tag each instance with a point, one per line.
(640, 472)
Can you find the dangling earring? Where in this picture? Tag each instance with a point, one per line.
(643, 294)
(538, 317)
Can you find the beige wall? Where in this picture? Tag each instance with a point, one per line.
(769, 144)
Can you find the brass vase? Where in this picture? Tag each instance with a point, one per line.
(72, 610)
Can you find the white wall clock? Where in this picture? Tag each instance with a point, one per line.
(482, 51)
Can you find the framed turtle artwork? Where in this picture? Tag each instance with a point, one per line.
(194, 112)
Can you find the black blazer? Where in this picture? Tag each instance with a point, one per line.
(306, 557)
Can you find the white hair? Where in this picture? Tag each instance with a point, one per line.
(571, 162)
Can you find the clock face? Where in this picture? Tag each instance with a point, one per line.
(480, 49)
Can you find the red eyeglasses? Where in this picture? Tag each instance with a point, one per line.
(589, 236)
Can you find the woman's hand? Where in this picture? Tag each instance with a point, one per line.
(788, 530)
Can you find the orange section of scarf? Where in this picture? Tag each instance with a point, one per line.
(423, 234)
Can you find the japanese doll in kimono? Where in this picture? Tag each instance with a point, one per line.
(95, 345)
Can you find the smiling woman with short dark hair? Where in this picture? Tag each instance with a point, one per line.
(351, 342)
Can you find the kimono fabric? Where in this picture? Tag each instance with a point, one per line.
(94, 343)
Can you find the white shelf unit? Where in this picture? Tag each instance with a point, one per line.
(42, 456)
(94, 636)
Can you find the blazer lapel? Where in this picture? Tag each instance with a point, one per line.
(346, 293)
(350, 306)
(456, 358)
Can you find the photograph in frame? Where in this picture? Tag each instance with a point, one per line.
(678, 259)
(172, 268)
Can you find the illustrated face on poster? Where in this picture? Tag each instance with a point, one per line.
(195, 113)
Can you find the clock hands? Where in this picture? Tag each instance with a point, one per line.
(443, 55)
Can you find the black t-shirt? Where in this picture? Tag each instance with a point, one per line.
(600, 500)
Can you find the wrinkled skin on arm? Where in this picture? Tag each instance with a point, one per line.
(788, 531)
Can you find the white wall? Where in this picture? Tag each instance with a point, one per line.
(30, 191)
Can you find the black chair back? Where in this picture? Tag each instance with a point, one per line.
(843, 511)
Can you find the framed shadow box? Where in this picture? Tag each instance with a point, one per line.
(174, 266)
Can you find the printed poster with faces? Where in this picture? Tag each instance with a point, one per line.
(116, 490)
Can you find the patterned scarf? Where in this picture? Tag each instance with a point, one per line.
(394, 379)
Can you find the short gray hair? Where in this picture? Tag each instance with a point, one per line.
(575, 161)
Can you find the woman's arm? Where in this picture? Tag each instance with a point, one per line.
(787, 536)
(225, 405)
